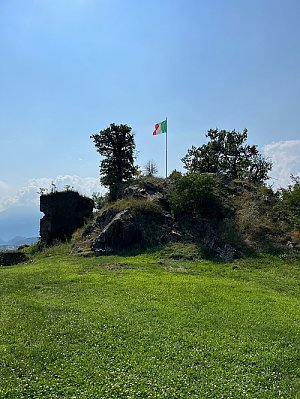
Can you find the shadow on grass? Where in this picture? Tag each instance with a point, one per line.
(187, 251)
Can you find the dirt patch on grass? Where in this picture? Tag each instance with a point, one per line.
(115, 266)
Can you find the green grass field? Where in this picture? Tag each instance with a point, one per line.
(147, 326)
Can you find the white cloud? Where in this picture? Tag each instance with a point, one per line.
(5, 192)
(29, 195)
(285, 156)
(3, 185)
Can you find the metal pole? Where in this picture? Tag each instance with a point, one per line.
(167, 148)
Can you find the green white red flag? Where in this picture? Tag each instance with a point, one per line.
(160, 128)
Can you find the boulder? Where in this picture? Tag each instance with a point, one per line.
(148, 191)
(131, 228)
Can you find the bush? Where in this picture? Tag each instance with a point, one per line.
(196, 194)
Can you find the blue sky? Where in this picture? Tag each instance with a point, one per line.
(71, 67)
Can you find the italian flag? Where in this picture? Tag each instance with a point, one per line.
(160, 128)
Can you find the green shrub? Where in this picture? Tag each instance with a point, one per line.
(34, 248)
(196, 194)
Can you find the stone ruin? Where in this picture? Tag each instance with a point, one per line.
(9, 258)
(65, 212)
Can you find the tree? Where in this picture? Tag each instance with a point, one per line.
(116, 144)
(151, 169)
(99, 199)
(291, 201)
(227, 154)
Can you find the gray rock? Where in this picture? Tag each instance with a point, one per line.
(132, 228)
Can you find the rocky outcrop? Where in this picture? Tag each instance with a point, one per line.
(142, 228)
(144, 222)
(130, 228)
(64, 213)
(147, 191)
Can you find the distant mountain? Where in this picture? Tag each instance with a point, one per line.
(23, 221)
(17, 241)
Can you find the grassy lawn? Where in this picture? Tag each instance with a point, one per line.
(146, 326)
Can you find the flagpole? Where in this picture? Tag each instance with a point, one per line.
(167, 148)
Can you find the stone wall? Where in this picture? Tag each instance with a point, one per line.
(64, 212)
(12, 258)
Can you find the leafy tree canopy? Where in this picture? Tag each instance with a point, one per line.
(291, 202)
(227, 154)
(116, 144)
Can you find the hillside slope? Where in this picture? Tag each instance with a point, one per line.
(149, 326)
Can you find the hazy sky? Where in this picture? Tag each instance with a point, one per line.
(71, 67)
